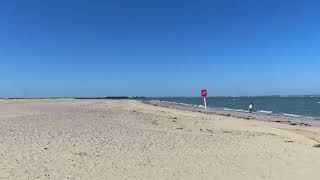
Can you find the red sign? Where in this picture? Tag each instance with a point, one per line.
(204, 93)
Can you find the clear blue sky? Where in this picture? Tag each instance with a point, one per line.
(159, 48)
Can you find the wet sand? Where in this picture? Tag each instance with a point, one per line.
(128, 139)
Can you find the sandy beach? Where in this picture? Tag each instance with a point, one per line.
(129, 139)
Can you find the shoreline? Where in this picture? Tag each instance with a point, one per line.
(279, 118)
(260, 112)
(305, 107)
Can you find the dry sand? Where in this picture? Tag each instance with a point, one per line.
(127, 139)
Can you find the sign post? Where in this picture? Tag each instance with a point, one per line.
(204, 95)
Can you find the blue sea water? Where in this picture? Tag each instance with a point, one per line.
(307, 106)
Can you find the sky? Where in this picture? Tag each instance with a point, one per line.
(91, 48)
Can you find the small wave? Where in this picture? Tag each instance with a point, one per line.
(184, 104)
(318, 102)
(170, 102)
(291, 115)
(237, 110)
(240, 110)
(266, 112)
(226, 109)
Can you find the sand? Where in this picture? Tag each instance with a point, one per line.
(128, 139)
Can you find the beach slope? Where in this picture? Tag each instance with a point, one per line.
(128, 139)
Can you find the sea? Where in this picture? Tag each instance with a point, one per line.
(292, 106)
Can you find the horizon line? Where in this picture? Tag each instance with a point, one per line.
(137, 97)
